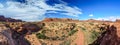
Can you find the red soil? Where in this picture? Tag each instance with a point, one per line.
(80, 38)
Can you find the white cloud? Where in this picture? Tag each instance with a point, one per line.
(36, 9)
(1, 6)
(110, 18)
(91, 15)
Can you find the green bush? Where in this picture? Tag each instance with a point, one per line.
(41, 36)
(94, 34)
(72, 32)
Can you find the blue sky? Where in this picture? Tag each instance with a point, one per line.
(36, 10)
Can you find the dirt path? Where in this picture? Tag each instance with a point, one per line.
(80, 38)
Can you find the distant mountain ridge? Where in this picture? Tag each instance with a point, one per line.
(4, 19)
(71, 20)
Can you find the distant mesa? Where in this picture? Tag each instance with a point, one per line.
(4, 19)
(92, 20)
(58, 19)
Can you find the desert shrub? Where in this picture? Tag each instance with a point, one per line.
(91, 23)
(91, 36)
(43, 31)
(62, 38)
(54, 38)
(83, 28)
(41, 36)
(72, 32)
(66, 43)
(43, 43)
(94, 34)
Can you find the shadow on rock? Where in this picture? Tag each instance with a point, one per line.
(109, 37)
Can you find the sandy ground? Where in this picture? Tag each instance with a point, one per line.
(33, 40)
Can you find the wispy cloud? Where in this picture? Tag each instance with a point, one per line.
(35, 10)
(110, 18)
(91, 15)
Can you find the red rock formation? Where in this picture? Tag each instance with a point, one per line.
(109, 37)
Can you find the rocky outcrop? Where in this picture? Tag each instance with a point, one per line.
(118, 20)
(3, 40)
(109, 37)
(4, 19)
(26, 28)
(11, 37)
